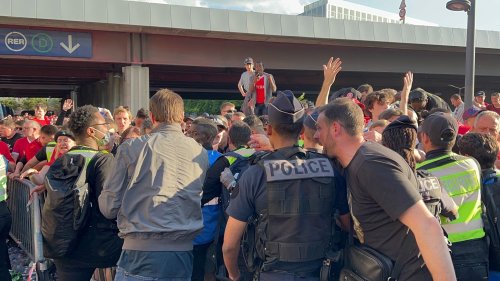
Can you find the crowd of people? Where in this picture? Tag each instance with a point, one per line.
(285, 190)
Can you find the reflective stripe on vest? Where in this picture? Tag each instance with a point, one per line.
(49, 149)
(461, 179)
(88, 154)
(3, 179)
(245, 152)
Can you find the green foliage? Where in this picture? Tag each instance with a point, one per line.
(210, 106)
(29, 103)
(16, 276)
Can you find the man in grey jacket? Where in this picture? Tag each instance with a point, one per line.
(155, 195)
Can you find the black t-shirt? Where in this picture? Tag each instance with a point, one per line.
(10, 142)
(41, 155)
(382, 187)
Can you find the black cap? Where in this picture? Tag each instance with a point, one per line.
(220, 121)
(311, 119)
(64, 133)
(403, 121)
(441, 128)
(418, 94)
(285, 109)
(480, 93)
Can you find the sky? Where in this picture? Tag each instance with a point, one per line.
(429, 10)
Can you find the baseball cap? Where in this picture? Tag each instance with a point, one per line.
(285, 109)
(441, 128)
(311, 119)
(189, 117)
(480, 93)
(248, 60)
(64, 133)
(470, 112)
(418, 94)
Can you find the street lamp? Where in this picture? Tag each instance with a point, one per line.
(470, 50)
(458, 88)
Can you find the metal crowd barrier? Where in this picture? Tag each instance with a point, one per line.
(26, 223)
(26, 228)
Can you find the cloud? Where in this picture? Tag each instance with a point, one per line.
(291, 7)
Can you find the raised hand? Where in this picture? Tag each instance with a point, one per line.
(330, 70)
(68, 104)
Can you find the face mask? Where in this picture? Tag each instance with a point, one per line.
(105, 140)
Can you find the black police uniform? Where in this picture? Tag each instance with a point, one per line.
(293, 193)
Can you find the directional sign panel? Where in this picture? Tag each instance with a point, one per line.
(28, 42)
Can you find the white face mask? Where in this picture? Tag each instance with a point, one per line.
(105, 140)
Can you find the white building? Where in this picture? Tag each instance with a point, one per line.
(340, 9)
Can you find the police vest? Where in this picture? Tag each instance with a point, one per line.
(49, 149)
(297, 224)
(460, 176)
(429, 188)
(3, 179)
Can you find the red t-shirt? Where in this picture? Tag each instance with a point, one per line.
(493, 108)
(32, 149)
(5, 151)
(42, 122)
(260, 91)
(20, 147)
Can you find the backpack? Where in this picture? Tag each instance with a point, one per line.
(239, 162)
(491, 199)
(67, 205)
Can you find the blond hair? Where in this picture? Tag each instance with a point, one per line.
(122, 109)
(167, 106)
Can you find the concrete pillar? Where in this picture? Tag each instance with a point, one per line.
(135, 92)
(114, 90)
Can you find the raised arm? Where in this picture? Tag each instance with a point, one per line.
(405, 92)
(330, 71)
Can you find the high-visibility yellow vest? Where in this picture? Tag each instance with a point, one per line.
(461, 177)
(49, 149)
(3, 179)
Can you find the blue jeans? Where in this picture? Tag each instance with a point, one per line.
(470, 259)
(154, 266)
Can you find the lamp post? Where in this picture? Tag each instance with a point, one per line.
(458, 88)
(470, 50)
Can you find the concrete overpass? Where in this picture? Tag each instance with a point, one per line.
(136, 48)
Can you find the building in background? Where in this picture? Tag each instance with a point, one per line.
(339, 9)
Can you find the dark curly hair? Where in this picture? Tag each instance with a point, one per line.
(403, 141)
(483, 147)
(82, 118)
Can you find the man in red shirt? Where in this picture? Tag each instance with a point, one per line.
(31, 131)
(265, 86)
(40, 110)
(495, 103)
(46, 135)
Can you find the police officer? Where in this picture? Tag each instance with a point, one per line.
(292, 193)
(5, 222)
(461, 177)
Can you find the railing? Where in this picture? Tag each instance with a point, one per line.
(26, 222)
(26, 228)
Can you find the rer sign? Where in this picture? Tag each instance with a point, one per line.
(28, 42)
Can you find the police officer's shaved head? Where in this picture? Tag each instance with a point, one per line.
(239, 134)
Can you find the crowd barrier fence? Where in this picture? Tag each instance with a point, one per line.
(26, 229)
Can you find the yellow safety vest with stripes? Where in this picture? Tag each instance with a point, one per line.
(3, 179)
(245, 152)
(87, 153)
(49, 149)
(461, 177)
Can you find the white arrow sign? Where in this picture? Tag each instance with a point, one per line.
(70, 48)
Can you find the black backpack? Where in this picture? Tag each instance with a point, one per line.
(67, 205)
(491, 199)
